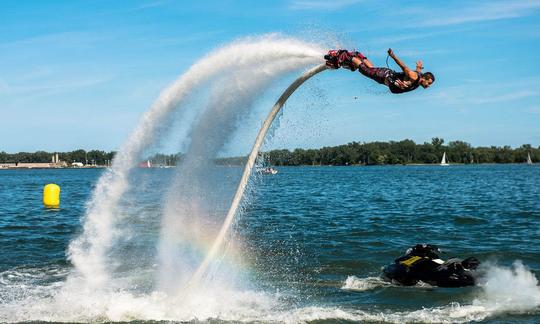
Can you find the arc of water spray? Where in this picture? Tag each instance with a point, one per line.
(89, 252)
(218, 242)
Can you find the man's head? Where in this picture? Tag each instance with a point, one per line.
(427, 79)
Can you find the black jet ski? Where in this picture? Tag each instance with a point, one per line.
(422, 263)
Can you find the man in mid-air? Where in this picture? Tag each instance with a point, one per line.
(397, 82)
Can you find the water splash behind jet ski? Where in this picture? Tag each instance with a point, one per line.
(422, 263)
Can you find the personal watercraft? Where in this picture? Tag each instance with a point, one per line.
(422, 263)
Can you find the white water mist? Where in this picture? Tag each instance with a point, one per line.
(198, 201)
(246, 58)
(512, 288)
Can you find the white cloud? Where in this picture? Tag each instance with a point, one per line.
(402, 38)
(534, 110)
(478, 12)
(321, 4)
(474, 94)
(4, 87)
(151, 4)
(515, 95)
(188, 39)
(72, 38)
(53, 87)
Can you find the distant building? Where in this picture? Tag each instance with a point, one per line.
(22, 165)
(77, 164)
(55, 158)
(55, 163)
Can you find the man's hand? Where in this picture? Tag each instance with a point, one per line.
(390, 52)
(419, 66)
(400, 84)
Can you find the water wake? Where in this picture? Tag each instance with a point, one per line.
(354, 283)
(513, 289)
(504, 290)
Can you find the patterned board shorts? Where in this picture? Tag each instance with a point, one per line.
(377, 74)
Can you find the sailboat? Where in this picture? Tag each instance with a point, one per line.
(444, 161)
(145, 165)
(529, 160)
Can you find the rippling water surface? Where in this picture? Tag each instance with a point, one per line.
(314, 238)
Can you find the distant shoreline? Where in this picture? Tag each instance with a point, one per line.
(286, 166)
(405, 152)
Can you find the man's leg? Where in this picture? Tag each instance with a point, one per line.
(357, 61)
(365, 67)
(377, 74)
(353, 60)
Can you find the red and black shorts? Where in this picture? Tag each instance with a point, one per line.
(378, 74)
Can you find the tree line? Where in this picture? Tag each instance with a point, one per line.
(402, 152)
(355, 153)
(94, 157)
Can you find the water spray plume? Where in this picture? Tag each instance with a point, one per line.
(216, 246)
(89, 252)
(202, 192)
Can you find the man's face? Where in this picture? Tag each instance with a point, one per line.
(425, 83)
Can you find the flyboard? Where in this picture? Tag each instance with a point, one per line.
(218, 242)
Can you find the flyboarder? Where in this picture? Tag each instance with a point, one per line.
(397, 82)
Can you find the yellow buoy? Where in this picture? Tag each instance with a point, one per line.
(51, 196)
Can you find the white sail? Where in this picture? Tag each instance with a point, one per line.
(444, 161)
(529, 160)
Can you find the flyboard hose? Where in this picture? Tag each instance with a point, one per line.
(218, 242)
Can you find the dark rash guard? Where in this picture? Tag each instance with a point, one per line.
(401, 76)
(388, 77)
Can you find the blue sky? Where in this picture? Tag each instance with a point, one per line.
(78, 74)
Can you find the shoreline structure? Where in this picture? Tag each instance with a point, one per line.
(22, 165)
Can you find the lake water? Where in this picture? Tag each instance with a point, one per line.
(309, 246)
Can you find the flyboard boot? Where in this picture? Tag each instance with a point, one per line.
(342, 58)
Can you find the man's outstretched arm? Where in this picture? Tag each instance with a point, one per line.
(411, 74)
